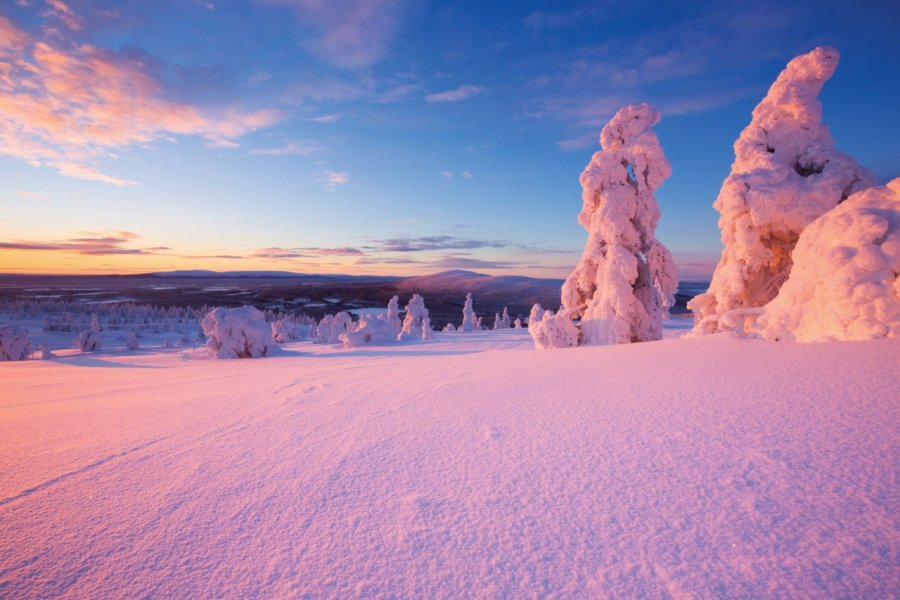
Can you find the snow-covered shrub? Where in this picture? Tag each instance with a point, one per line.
(470, 319)
(449, 328)
(844, 284)
(626, 279)
(131, 341)
(554, 331)
(393, 315)
(416, 323)
(517, 324)
(284, 330)
(370, 330)
(332, 327)
(46, 353)
(786, 173)
(501, 322)
(236, 333)
(14, 343)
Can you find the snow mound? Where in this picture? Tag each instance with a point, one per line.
(236, 332)
(843, 285)
(14, 343)
(371, 330)
(626, 279)
(554, 331)
(786, 173)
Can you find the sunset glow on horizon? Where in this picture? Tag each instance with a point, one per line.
(391, 137)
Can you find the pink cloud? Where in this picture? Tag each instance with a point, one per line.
(69, 105)
(463, 92)
(95, 244)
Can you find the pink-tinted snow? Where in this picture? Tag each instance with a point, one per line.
(471, 466)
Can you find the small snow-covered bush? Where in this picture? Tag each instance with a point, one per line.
(844, 284)
(14, 343)
(46, 353)
(236, 333)
(416, 323)
(89, 341)
(284, 330)
(554, 331)
(370, 330)
(517, 324)
(501, 322)
(449, 328)
(786, 173)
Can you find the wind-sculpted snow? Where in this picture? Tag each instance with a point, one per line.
(371, 330)
(844, 284)
(472, 467)
(626, 279)
(236, 333)
(786, 173)
(14, 343)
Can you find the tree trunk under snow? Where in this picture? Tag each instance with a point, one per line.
(786, 173)
(626, 279)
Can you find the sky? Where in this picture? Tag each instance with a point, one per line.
(392, 137)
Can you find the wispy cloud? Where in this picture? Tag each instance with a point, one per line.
(69, 105)
(276, 253)
(347, 33)
(334, 179)
(467, 175)
(27, 195)
(434, 242)
(447, 174)
(96, 244)
(301, 147)
(334, 118)
(463, 92)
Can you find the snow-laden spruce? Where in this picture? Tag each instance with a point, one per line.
(844, 284)
(370, 330)
(626, 279)
(416, 322)
(470, 320)
(332, 327)
(786, 173)
(14, 343)
(236, 332)
(502, 321)
(393, 315)
(90, 340)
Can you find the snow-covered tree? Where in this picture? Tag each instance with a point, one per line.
(14, 343)
(554, 331)
(844, 282)
(131, 341)
(332, 327)
(536, 314)
(470, 319)
(416, 324)
(786, 173)
(284, 330)
(237, 332)
(626, 279)
(370, 330)
(449, 328)
(46, 352)
(90, 340)
(501, 322)
(393, 315)
(517, 324)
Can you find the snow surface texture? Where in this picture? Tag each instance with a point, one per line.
(416, 323)
(472, 467)
(470, 320)
(14, 343)
(370, 330)
(236, 333)
(626, 279)
(786, 173)
(843, 285)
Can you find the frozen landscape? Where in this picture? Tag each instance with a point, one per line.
(406, 382)
(712, 466)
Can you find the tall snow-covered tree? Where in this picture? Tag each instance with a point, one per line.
(626, 279)
(786, 173)
(470, 319)
(416, 323)
(393, 315)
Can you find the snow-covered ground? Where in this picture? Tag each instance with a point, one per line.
(471, 466)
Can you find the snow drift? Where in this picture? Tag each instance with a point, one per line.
(786, 173)
(843, 284)
(236, 332)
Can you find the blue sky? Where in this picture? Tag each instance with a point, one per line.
(389, 136)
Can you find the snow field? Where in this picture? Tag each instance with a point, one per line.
(711, 466)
